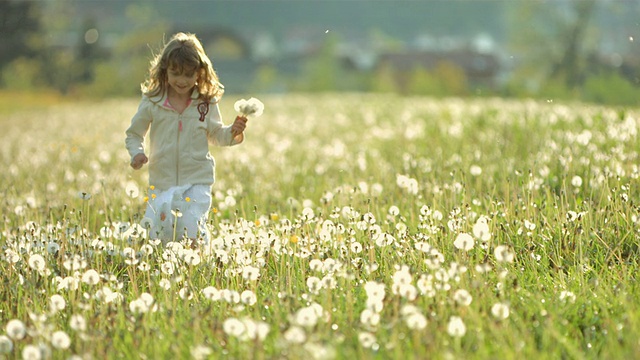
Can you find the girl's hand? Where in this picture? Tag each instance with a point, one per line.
(239, 125)
(139, 160)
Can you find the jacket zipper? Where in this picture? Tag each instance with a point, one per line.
(178, 151)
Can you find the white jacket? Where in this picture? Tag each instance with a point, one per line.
(179, 143)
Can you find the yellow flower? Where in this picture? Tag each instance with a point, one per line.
(215, 210)
(146, 198)
(187, 199)
(153, 196)
(152, 187)
(257, 222)
(274, 217)
(294, 239)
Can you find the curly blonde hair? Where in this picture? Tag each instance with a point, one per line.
(183, 52)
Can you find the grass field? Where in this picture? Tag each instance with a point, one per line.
(346, 226)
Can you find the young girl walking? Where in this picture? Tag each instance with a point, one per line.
(179, 110)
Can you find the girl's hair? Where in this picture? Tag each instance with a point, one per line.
(183, 53)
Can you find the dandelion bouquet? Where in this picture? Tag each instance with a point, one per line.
(251, 107)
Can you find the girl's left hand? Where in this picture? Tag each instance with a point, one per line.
(239, 125)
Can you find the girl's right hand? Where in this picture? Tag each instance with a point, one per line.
(139, 160)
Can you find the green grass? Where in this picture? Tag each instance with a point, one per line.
(317, 179)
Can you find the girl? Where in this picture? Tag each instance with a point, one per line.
(179, 109)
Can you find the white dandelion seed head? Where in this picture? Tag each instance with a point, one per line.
(52, 247)
(462, 297)
(32, 352)
(407, 291)
(331, 265)
(426, 286)
(16, 329)
(191, 258)
(576, 181)
(504, 253)
(185, 293)
(211, 293)
(74, 263)
(367, 339)
(314, 284)
(147, 299)
(500, 311)
(410, 185)
(6, 345)
(250, 273)
(164, 284)
(308, 213)
(78, 323)
(60, 340)
(308, 316)
(295, 335)
(456, 327)
(481, 230)
(138, 306)
(256, 330)
(91, 277)
(146, 223)
(374, 305)
(408, 309)
(464, 242)
(167, 268)
(370, 318)
(57, 303)
(248, 297)
(233, 327)
(394, 210)
(416, 321)
(132, 189)
(315, 265)
(201, 352)
(329, 282)
(37, 262)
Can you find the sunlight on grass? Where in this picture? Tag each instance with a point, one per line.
(12, 101)
(345, 226)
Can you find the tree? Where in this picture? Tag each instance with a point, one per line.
(18, 24)
(551, 41)
(571, 65)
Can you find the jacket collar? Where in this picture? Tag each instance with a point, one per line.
(161, 99)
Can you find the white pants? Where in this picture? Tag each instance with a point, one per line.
(178, 212)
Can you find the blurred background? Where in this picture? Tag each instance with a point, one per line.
(556, 49)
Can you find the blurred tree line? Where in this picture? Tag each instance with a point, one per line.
(553, 56)
(39, 51)
(575, 51)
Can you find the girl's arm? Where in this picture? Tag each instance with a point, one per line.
(221, 135)
(136, 133)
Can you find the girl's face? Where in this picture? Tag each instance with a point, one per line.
(182, 81)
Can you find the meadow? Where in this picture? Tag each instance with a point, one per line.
(346, 226)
